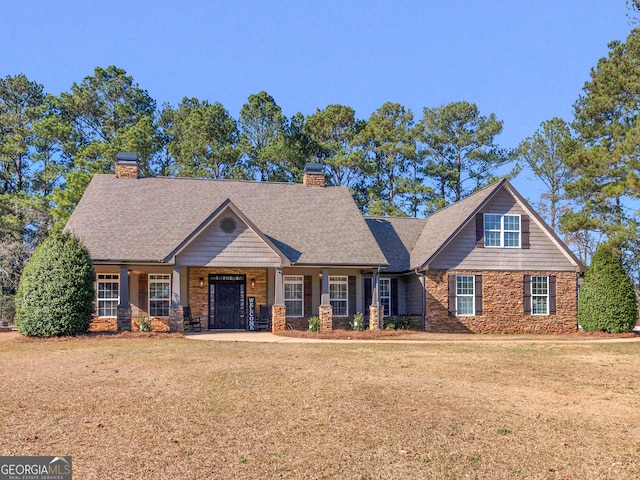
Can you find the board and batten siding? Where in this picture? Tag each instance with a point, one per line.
(462, 252)
(241, 248)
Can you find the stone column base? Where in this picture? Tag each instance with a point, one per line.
(326, 318)
(278, 318)
(176, 319)
(124, 318)
(374, 317)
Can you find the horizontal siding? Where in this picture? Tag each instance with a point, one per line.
(463, 254)
(413, 295)
(216, 248)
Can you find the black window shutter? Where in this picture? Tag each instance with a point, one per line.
(367, 295)
(394, 296)
(351, 293)
(527, 294)
(552, 295)
(480, 230)
(524, 233)
(452, 295)
(478, 294)
(308, 292)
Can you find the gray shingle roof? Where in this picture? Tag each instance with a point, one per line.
(148, 218)
(397, 237)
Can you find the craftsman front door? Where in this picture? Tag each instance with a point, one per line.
(227, 302)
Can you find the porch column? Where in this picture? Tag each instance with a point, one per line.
(279, 310)
(326, 310)
(374, 309)
(124, 307)
(176, 323)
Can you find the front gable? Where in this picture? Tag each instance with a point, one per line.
(539, 248)
(228, 239)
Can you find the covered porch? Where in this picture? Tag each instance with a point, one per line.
(233, 298)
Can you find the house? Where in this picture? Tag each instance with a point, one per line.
(230, 249)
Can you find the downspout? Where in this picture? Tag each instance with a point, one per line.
(424, 299)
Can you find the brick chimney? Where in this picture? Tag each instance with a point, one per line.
(127, 165)
(313, 175)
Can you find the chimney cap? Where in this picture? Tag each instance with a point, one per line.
(314, 167)
(128, 157)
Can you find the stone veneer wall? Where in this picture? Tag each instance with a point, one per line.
(199, 296)
(502, 304)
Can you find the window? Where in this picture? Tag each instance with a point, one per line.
(339, 296)
(108, 294)
(293, 295)
(385, 296)
(159, 295)
(465, 295)
(540, 295)
(501, 230)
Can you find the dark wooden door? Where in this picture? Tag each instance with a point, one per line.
(226, 304)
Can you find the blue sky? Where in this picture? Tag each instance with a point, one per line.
(526, 61)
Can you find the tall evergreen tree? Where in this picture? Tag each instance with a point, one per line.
(458, 144)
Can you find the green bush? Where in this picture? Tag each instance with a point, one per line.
(56, 294)
(357, 323)
(314, 324)
(607, 297)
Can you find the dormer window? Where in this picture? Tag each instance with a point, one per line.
(501, 230)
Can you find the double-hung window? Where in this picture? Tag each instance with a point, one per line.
(385, 296)
(465, 295)
(540, 295)
(501, 230)
(159, 295)
(294, 295)
(108, 287)
(339, 295)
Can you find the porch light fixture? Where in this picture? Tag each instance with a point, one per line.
(201, 282)
(253, 283)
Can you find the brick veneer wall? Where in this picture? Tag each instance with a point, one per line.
(502, 304)
(313, 179)
(127, 170)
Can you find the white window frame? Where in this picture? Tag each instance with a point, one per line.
(502, 231)
(338, 302)
(162, 280)
(290, 280)
(107, 278)
(538, 298)
(385, 300)
(465, 295)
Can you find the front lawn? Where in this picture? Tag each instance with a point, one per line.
(166, 407)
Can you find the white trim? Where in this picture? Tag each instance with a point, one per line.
(471, 295)
(294, 280)
(339, 280)
(165, 279)
(502, 231)
(534, 295)
(111, 278)
(386, 281)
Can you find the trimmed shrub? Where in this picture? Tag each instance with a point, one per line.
(607, 297)
(56, 294)
(314, 324)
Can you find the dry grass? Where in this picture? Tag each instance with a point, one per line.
(164, 407)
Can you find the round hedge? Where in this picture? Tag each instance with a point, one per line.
(56, 295)
(607, 297)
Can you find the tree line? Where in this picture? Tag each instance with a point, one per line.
(394, 163)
